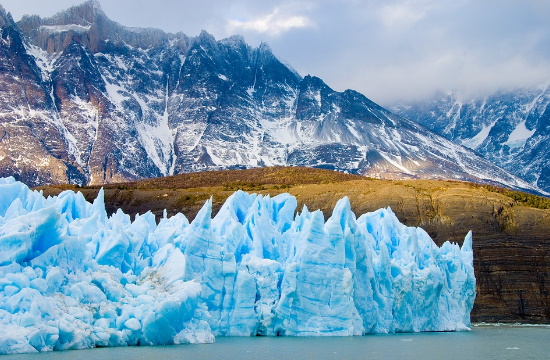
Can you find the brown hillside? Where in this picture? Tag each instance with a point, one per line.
(511, 229)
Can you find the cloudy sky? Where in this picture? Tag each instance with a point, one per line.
(390, 50)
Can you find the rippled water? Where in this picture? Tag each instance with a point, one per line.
(483, 342)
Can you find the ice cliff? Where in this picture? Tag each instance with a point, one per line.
(72, 277)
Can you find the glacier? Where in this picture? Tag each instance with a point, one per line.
(72, 277)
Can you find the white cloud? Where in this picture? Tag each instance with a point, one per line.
(405, 12)
(280, 20)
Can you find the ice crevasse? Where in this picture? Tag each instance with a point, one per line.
(72, 277)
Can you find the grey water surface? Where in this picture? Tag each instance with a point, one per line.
(483, 342)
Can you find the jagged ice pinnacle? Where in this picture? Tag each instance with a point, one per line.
(72, 277)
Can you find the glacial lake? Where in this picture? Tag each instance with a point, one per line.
(483, 342)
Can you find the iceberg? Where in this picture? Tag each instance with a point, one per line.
(72, 277)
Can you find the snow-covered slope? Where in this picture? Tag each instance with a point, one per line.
(73, 278)
(509, 128)
(87, 100)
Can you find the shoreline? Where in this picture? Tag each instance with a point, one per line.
(481, 324)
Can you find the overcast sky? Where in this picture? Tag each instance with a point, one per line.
(390, 50)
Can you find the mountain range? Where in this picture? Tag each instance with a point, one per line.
(510, 128)
(85, 100)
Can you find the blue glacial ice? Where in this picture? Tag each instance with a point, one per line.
(72, 277)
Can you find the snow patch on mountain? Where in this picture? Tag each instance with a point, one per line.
(519, 136)
(65, 28)
(479, 138)
(45, 61)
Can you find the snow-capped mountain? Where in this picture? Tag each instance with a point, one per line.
(87, 100)
(509, 128)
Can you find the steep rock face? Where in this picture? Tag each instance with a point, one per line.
(98, 102)
(26, 110)
(86, 24)
(509, 128)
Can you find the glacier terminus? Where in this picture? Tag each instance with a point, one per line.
(72, 277)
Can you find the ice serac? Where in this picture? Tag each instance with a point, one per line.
(72, 277)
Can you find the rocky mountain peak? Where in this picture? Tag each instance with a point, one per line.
(236, 43)
(265, 48)
(205, 37)
(5, 17)
(85, 23)
(89, 25)
(235, 39)
(84, 14)
(265, 54)
(204, 41)
(313, 82)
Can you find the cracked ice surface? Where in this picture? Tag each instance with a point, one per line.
(71, 277)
